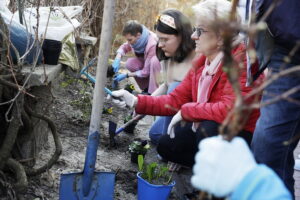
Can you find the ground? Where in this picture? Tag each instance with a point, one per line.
(70, 112)
(71, 117)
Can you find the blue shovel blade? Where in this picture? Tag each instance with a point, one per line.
(102, 187)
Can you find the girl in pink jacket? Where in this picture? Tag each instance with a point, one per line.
(145, 66)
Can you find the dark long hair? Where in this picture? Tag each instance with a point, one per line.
(183, 29)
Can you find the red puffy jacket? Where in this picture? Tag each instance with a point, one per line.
(220, 96)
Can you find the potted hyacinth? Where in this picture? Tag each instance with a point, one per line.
(138, 147)
(154, 181)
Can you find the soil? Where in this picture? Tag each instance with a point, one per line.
(72, 122)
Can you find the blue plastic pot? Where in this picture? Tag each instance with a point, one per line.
(148, 191)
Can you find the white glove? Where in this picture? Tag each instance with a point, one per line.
(175, 120)
(221, 165)
(125, 98)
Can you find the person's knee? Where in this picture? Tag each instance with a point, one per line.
(208, 128)
(160, 147)
(133, 64)
(172, 86)
(156, 131)
(157, 126)
(154, 137)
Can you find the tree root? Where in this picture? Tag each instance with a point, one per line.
(6, 190)
(10, 139)
(16, 121)
(28, 126)
(16, 125)
(12, 133)
(25, 135)
(9, 84)
(18, 169)
(58, 146)
(1, 92)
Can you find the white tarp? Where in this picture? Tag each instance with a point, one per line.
(4, 10)
(61, 21)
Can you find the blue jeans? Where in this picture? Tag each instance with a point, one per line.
(160, 126)
(279, 122)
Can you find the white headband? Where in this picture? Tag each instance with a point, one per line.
(168, 20)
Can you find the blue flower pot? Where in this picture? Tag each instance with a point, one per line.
(148, 191)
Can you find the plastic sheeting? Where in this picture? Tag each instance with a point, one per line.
(61, 21)
(68, 55)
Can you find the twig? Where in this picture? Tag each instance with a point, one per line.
(231, 68)
(292, 140)
(69, 20)
(283, 96)
(271, 79)
(270, 9)
(7, 39)
(12, 85)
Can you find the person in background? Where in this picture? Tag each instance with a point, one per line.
(228, 169)
(279, 121)
(175, 50)
(145, 66)
(205, 95)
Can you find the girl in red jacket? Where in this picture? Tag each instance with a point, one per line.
(203, 98)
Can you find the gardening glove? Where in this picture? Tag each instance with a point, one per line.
(120, 77)
(175, 120)
(221, 165)
(116, 64)
(124, 98)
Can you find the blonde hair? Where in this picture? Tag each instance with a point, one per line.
(212, 10)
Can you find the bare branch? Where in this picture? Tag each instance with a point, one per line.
(284, 96)
(271, 79)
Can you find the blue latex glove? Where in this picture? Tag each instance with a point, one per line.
(116, 64)
(120, 77)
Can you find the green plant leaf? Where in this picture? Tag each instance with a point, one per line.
(149, 173)
(140, 162)
(138, 148)
(154, 173)
(152, 170)
(164, 170)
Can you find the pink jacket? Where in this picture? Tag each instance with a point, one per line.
(149, 55)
